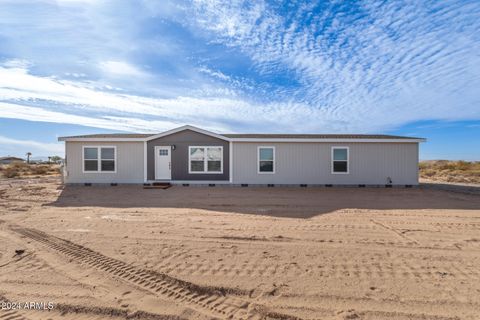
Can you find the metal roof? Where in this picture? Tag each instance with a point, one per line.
(267, 137)
(314, 136)
(113, 135)
(254, 136)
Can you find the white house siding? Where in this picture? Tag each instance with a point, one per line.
(129, 163)
(310, 163)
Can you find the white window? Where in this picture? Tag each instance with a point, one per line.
(340, 163)
(90, 159)
(99, 159)
(266, 159)
(205, 159)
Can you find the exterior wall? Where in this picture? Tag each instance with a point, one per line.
(129, 163)
(182, 140)
(310, 163)
(295, 163)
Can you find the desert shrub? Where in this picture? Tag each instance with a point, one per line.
(57, 170)
(463, 165)
(18, 169)
(10, 172)
(19, 166)
(445, 165)
(451, 171)
(423, 165)
(39, 169)
(475, 173)
(429, 173)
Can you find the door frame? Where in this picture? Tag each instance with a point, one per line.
(169, 148)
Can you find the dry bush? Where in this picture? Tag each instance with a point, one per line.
(20, 166)
(10, 172)
(19, 169)
(451, 171)
(43, 169)
(39, 169)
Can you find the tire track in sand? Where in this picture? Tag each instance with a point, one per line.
(218, 302)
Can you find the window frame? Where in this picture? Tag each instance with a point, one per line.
(99, 159)
(347, 161)
(205, 160)
(273, 161)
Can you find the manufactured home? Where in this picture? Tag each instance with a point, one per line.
(190, 155)
(8, 160)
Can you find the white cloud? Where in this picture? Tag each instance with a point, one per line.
(17, 84)
(17, 111)
(17, 64)
(81, 103)
(70, 2)
(121, 68)
(37, 148)
(369, 69)
(216, 74)
(372, 67)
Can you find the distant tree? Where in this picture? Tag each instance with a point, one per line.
(28, 156)
(55, 159)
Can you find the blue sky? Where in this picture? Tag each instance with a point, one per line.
(86, 66)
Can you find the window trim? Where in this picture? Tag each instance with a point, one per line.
(99, 159)
(348, 159)
(205, 160)
(258, 160)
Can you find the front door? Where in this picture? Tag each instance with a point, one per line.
(163, 164)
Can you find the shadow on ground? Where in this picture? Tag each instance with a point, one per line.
(278, 201)
(452, 187)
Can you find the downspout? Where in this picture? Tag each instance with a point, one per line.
(64, 166)
(230, 160)
(145, 162)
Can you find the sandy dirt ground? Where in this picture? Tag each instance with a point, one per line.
(241, 253)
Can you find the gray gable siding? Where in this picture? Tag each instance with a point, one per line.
(182, 140)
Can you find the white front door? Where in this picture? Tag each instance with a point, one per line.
(163, 165)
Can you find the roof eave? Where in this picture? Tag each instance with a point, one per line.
(152, 137)
(226, 138)
(188, 127)
(75, 139)
(299, 140)
(336, 140)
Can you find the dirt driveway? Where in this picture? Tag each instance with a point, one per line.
(243, 253)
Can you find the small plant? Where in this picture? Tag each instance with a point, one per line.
(39, 170)
(10, 172)
(463, 165)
